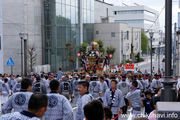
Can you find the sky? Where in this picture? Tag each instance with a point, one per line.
(155, 4)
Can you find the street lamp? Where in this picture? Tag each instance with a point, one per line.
(151, 33)
(159, 57)
(168, 92)
(21, 35)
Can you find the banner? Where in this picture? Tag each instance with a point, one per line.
(129, 66)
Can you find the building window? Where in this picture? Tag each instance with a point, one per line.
(115, 12)
(113, 34)
(127, 35)
(127, 46)
(97, 32)
(149, 13)
(130, 12)
(136, 45)
(137, 21)
(136, 36)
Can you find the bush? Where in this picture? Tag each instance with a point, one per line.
(122, 62)
(128, 61)
(141, 59)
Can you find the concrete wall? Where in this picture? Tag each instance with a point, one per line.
(136, 40)
(1, 40)
(104, 31)
(21, 15)
(101, 11)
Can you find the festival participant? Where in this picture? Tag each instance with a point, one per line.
(37, 106)
(19, 101)
(114, 99)
(84, 99)
(124, 87)
(134, 96)
(58, 106)
(95, 88)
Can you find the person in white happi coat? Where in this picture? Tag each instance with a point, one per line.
(75, 90)
(124, 87)
(37, 106)
(19, 101)
(5, 90)
(84, 99)
(146, 80)
(66, 88)
(114, 99)
(11, 82)
(155, 84)
(134, 96)
(95, 88)
(17, 86)
(103, 86)
(59, 107)
(1, 97)
(50, 78)
(39, 86)
(59, 75)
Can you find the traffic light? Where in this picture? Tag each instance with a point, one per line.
(132, 48)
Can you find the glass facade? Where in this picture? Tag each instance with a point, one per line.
(62, 31)
(88, 20)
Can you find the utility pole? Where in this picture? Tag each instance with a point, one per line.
(168, 91)
(174, 51)
(159, 57)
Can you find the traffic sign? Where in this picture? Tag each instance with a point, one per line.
(10, 62)
(132, 54)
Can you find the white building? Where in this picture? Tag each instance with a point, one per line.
(17, 16)
(120, 36)
(139, 16)
(135, 16)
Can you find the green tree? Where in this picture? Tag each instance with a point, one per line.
(82, 47)
(137, 57)
(71, 57)
(144, 42)
(111, 50)
(101, 45)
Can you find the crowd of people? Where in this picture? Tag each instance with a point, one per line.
(97, 97)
